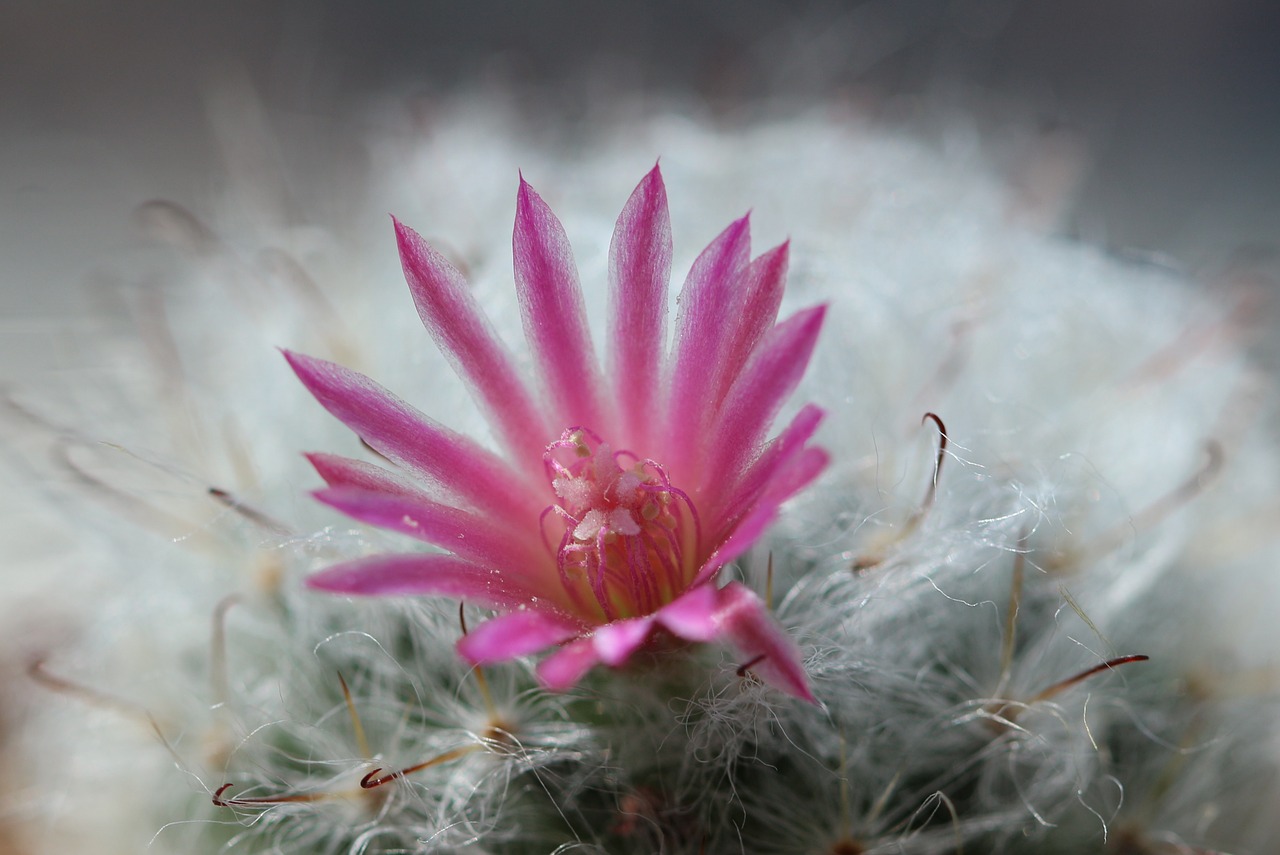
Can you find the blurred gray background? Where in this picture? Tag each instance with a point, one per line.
(1174, 105)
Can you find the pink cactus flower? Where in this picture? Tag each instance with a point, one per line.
(619, 495)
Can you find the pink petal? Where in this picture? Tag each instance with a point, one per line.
(707, 303)
(745, 512)
(408, 438)
(691, 616)
(555, 319)
(338, 471)
(734, 613)
(390, 575)
(373, 495)
(765, 281)
(616, 641)
(514, 634)
(778, 454)
(454, 319)
(773, 655)
(466, 534)
(789, 480)
(561, 671)
(639, 269)
(763, 386)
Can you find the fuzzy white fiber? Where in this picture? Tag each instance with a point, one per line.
(1109, 475)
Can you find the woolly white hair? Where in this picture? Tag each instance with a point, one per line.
(1105, 488)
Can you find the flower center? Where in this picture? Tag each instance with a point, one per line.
(629, 537)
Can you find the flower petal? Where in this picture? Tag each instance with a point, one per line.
(338, 471)
(754, 401)
(751, 504)
(764, 283)
(753, 631)
(616, 641)
(707, 303)
(790, 479)
(514, 634)
(735, 614)
(454, 319)
(561, 671)
(639, 269)
(408, 438)
(466, 534)
(389, 575)
(691, 616)
(779, 453)
(555, 319)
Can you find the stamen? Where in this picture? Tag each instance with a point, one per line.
(597, 574)
(668, 555)
(644, 581)
(625, 530)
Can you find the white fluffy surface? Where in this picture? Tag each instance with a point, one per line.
(1080, 396)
